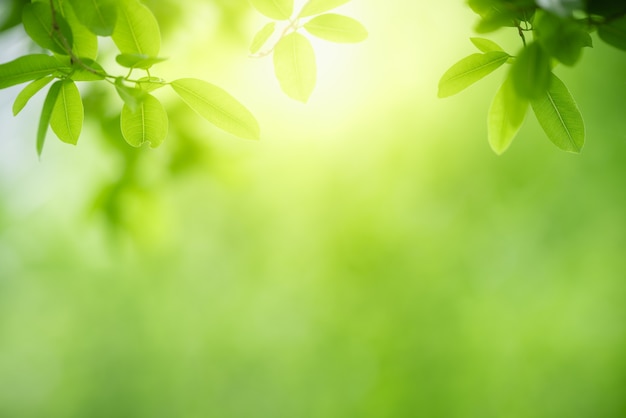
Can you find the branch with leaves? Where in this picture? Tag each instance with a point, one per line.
(294, 58)
(68, 31)
(559, 31)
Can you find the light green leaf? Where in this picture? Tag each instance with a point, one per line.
(136, 29)
(85, 42)
(138, 60)
(531, 72)
(486, 45)
(295, 67)
(261, 37)
(99, 16)
(37, 21)
(559, 117)
(46, 114)
(470, 70)
(67, 115)
(29, 91)
(88, 70)
(336, 28)
(148, 123)
(27, 68)
(218, 107)
(274, 9)
(149, 84)
(314, 7)
(506, 116)
(132, 97)
(614, 33)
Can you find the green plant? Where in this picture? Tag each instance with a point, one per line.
(558, 32)
(294, 57)
(68, 31)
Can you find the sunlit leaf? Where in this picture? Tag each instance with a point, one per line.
(314, 7)
(148, 123)
(131, 96)
(274, 9)
(99, 16)
(138, 60)
(261, 37)
(336, 28)
(67, 115)
(85, 43)
(559, 117)
(218, 107)
(27, 68)
(28, 92)
(46, 114)
(136, 29)
(470, 70)
(88, 70)
(37, 20)
(295, 67)
(149, 84)
(614, 33)
(506, 116)
(532, 71)
(486, 45)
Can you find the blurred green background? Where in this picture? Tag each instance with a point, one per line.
(369, 257)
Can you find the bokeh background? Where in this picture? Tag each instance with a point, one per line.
(369, 257)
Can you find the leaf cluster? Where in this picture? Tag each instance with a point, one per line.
(552, 32)
(293, 55)
(68, 33)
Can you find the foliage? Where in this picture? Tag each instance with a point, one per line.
(68, 32)
(294, 58)
(560, 31)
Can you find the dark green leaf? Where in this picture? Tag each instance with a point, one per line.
(148, 123)
(559, 117)
(46, 113)
(564, 39)
(531, 72)
(28, 92)
(614, 33)
(38, 24)
(336, 28)
(295, 67)
(470, 70)
(27, 68)
(99, 16)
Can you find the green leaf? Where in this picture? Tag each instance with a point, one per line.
(274, 9)
(138, 60)
(261, 37)
(136, 30)
(37, 20)
(218, 107)
(132, 97)
(99, 16)
(148, 123)
(85, 42)
(90, 70)
(149, 84)
(28, 92)
(27, 68)
(563, 39)
(67, 115)
(531, 72)
(506, 116)
(46, 114)
(614, 33)
(486, 45)
(295, 67)
(314, 7)
(470, 70)
(559, 117)
(336, 28)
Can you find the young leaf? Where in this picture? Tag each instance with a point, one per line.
(274, 9)
(531, 72)
(261, 37)
(29, 91)
(132, 97)
(486, 45)
(148, 123)
(315, 7)
(136, 29)
(218, 107)
(27, 68)
(67, 115)
(99, 16)
(470, 70)
(559, 117)
(85, 43)
(506, 116)
(295, 67)
(138, 61)
(37, 21)
(614, 33)
(46, 113)
(336, 28)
